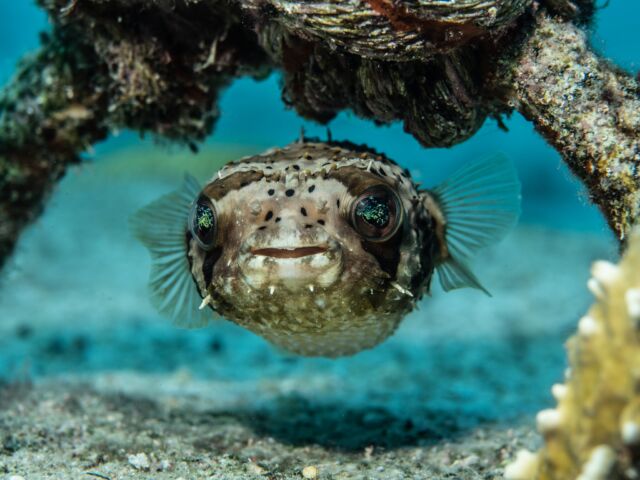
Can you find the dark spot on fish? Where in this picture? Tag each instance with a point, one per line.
(244, 184)
(308, 226)
(321, 222)
(271, 191)
(269, 167)
(262, 227)
(312, 188)
(290, 192)
(278, 219)
(338, 203)
(296, 167)
(268, 216)
(303, 211)
(382, 172)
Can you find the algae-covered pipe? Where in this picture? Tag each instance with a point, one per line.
(110, 65)
(49, 113)
(586, 108)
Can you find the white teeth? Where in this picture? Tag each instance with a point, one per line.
(272, 290)
(205, 301)
(401, 289)
(219, 174)
(311, 288)
(369, 166)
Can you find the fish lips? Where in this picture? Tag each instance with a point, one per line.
(292, 266)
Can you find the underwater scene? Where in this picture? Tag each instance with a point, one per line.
(360, 239)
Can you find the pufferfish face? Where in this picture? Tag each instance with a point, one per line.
(319, 248)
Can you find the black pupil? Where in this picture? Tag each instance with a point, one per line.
(204, 221)
(374, 211)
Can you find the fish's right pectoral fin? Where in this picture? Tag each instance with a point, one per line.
(477, 206)
(453, 274)
(161, 227)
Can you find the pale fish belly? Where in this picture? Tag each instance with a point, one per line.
(323, 322)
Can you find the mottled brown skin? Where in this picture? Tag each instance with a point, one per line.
(349, 293)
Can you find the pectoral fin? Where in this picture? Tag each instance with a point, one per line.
(479, 205)
(162, 226)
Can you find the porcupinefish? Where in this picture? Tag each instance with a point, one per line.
(320, 248)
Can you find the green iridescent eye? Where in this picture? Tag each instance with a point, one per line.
(373, 210)
(203, 223)
(377, 213)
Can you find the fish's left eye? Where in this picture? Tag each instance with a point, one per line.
(377, 213)
(203, 223)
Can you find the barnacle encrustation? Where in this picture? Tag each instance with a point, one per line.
(391, 30)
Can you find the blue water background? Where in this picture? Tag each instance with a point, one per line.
(253, 116)
(551, 196)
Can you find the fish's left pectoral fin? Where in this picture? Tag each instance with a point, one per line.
(161, 227)
(480, 204)
(473, 209)
(453, 274)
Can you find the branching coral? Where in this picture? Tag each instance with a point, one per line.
(594, 433)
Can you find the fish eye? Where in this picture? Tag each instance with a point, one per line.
(203, 223)
(377, 213)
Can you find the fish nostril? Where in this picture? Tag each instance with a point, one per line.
(303, 211)
(268, 216)
(321, 222)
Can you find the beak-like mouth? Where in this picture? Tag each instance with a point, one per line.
(296, 252)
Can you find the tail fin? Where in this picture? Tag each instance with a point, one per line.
(161, 227)
(480, 204)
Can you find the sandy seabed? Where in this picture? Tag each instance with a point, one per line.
(96, 385)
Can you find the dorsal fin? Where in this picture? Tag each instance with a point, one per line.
(162, 227)
(480, 204)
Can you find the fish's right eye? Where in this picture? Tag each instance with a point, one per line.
(203, 223)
